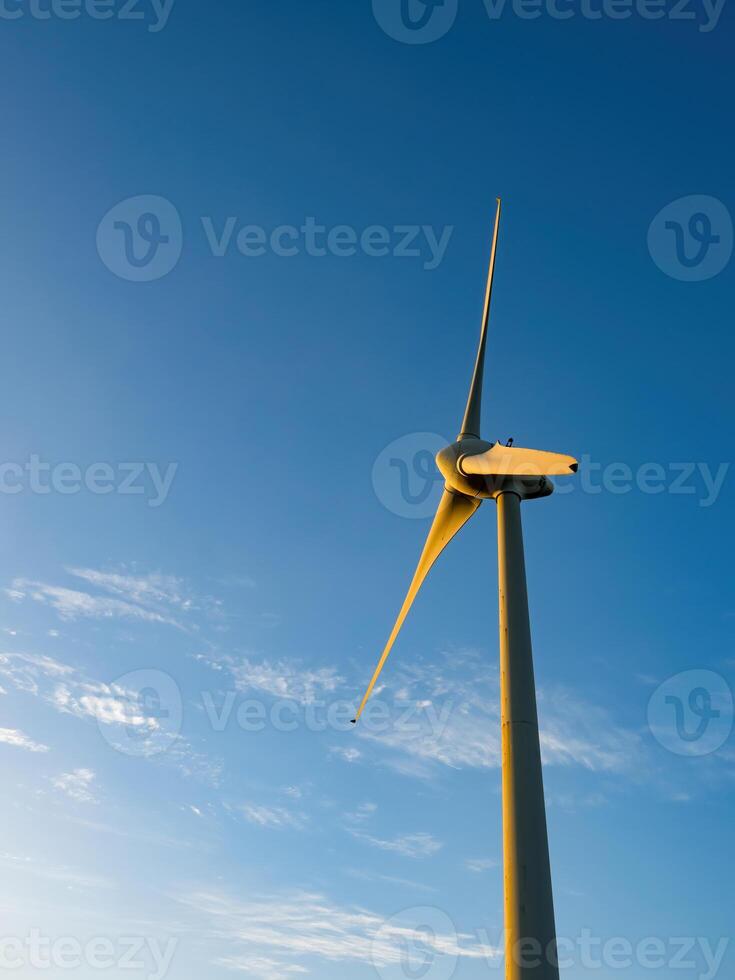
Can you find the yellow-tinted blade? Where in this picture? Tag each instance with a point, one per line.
(454, 511)
(516, 461)
(471, 420)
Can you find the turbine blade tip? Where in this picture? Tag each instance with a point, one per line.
(574, 467)
(354, 721)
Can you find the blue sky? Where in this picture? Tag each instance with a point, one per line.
(198, 491)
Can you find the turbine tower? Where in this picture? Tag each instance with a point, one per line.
(475, 470)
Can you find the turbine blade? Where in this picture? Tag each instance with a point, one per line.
(453, 513)
(471, 421)
(516, 461)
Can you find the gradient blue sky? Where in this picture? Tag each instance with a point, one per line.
(272, 569)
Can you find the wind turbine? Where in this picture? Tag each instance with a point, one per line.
(475, 470)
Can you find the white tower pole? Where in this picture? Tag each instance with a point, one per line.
(530, 935)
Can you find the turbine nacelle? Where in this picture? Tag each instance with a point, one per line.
(481, 469)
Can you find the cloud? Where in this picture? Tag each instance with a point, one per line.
(277, 935)
(448, 714)
(347, 755)
(263, 967)
(71, 604)
(362, 813)
(151, 598)
(71, 692)
(478, 865)
(572, 801)
(76, 785)
(142, 589)
(271, 816)
(420, 845)
(25, 669)
(52, 872)
(108, 704)
(18, 739)
(283, 678)
(575, 732)
(389, 879)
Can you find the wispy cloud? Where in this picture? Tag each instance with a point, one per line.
(72, 604)
(24, 670)
(108, 704)
(479, 865)
(152, 597)
(448, 714)
(420, 845)
(263, 967)
(271, 816)
(118, 710)
(142, 589)
(41, 868)
(76, 784)
(18, 739)
(346, 754)
(287, 679)
(363, 875)
(361, 813)
(278, 935)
